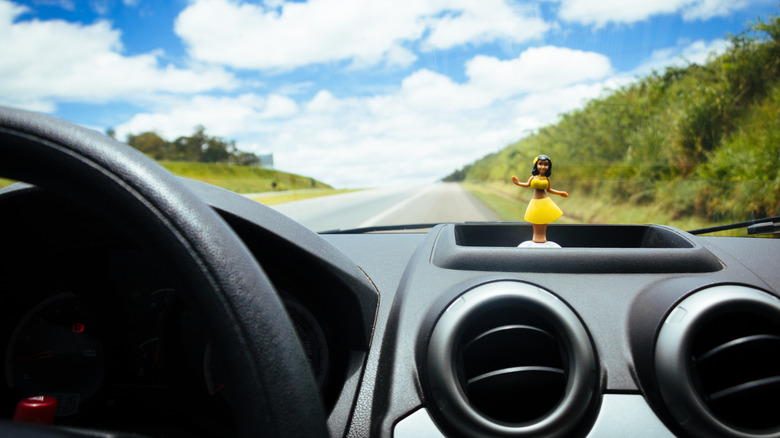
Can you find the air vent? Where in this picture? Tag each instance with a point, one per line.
(718, 362)
(510, 359)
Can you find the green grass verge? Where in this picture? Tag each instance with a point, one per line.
(242, 179)
(248, 179)
(281, 198)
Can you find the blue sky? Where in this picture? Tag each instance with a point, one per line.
(356, 93)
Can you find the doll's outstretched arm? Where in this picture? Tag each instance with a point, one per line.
(558, 192)
(518, 183)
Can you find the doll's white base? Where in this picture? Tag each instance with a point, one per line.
(532, 244)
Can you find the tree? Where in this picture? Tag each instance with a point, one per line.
(191, 148)
(247, 159)
(218, 151)
(199, 147)
(151, 144)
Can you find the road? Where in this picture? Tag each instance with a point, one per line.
(441, 202)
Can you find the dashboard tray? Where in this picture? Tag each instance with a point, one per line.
(584, 249)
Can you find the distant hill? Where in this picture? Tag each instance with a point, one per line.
(700, 141)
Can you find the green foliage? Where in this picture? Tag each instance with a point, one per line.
(199, 147)
(752, 64)
(457, 176)
(743, 174)
(696, 141)
(151, 144)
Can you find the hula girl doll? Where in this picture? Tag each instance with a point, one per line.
(541, 210)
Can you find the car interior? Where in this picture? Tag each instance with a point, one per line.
(151, 305)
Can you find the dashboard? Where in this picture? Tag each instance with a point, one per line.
(604, 337)
(135, 300)
(450, 332)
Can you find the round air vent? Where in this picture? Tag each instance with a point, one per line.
(717, 361)
(510, 359)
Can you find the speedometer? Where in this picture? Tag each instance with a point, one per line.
(56, 350)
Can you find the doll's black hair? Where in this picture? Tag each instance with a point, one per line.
(535, 171)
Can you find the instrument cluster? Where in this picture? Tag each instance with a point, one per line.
(107, 333)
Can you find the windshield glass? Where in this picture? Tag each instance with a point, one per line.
(345, 114)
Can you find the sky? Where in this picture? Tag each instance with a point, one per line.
(355, 93)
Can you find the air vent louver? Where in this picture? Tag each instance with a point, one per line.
(508, 358)
(718, 362)
(736, 360)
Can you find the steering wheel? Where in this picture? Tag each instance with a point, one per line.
(275, 392)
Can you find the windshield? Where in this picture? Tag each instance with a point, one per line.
(345, 114)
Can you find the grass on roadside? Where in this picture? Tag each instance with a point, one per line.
(283, 197)
(248, 179)
(242, 179)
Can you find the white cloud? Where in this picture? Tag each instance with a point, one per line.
(601, 12)
(696, 52)
(68, 5)
(249, 36)
(489, 20)
(223, 116)
(537, 69)
(101, 7)
(425, 90)
(491, 79)
(363, 32)
(44, 62)
(544, 107)
(706, 9)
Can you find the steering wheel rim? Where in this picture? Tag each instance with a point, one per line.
(276, 394)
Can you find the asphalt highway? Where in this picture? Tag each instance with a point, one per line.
(441, 202)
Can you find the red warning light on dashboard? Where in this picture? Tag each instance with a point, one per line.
(78, 327)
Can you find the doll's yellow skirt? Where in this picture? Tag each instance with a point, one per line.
(542, 211)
